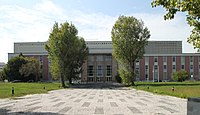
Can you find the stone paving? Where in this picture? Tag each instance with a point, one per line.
(81, 101)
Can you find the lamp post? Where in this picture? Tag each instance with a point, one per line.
(153, 73)
(158, 72)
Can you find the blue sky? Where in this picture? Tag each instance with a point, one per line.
(32, 20)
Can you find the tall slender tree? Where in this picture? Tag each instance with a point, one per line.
(67, 51)
(129, 37)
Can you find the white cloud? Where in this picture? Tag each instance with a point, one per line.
(18, 24)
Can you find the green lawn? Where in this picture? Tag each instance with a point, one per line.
(181, 89)
(21, 89)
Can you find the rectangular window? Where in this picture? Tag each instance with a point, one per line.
(90, 58)
(90, 70)
(182, 66)
(155, 59)
(146, 67)
(164, 58)
(164, 66)
(108, 70)
(146, 59)
(182, 59)
(174, 67)
(174, 59)
(199, 58)
(191, 58)
(155, 67)
(191, 66)
(99, 58)
(108, 58)
(99, 71)
(137, 62)
(41, 60)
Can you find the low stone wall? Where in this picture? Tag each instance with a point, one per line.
(193, 106)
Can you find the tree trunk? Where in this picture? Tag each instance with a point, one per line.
(62, 81)
(70, 80)
(133, 74)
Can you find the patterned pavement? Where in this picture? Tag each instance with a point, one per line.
(87, 101)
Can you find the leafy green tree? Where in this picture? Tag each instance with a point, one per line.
(180, 76)
(191, 7)
(1, 75)
(12, 68)
(31, 69)
(22, 68)
(66, 51)
(129, 37)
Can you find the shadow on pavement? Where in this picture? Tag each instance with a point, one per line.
(4, 111)
(99, 86)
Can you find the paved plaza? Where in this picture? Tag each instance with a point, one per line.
(94, 101)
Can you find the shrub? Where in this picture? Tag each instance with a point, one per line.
(180, 76)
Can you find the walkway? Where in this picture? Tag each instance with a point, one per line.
(84, 100)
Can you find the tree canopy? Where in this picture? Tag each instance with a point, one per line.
(67, 52)
(129, 37)
(22, 68)
(31, 69)
(191, 7)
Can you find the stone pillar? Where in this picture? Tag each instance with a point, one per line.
(193, 106)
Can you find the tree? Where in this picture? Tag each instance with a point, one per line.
(1, 76)
(22, 68)
(129, 37)
(180, 76)
(66, 51)
(11, 70)
(191, 7)
(31, 69)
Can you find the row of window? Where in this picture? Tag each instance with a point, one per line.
(173, 59)
(100, 58)
(100, 43)
(173, 67)
(99, 70)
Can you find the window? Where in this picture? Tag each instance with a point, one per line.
(174, 59)
(191, 66)
(108, 58)
(182, 66)
(155, 59)
(41, 60)
(90, 70)
(108, 70)
(182, 59)
(99, 58)
(155, 67)
(99, 70)
(191, 58)
(164, 66)
(146, 67)
(199, 58)
(174, 67)
(164, 58)
(146, 59)
(90, 58)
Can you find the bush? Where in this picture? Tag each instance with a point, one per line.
(180, 76)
